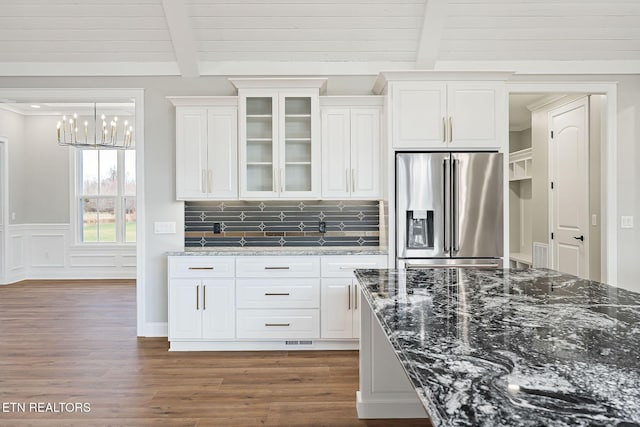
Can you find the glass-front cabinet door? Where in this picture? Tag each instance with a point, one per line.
(261, 146)
(281, 145)
(296, 144)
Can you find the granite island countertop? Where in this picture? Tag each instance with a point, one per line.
(512, 347)
(280, 251)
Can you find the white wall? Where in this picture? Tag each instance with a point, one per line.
(160, 165)
(12, 127)
(46, 173)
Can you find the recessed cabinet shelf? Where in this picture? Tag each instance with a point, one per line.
(520, 165)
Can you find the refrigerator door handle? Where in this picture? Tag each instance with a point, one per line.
(454, 202)
(447, 198)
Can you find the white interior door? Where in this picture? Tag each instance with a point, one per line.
(568, 167)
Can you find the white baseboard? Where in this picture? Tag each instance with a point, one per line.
(409, 407)
(318, 344)
(156, 329)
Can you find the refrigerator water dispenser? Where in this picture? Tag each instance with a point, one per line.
(419, 229)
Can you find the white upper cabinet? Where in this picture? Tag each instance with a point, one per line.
(351, 152)
(419, 111)
(279, 136)
(452, 115)
(206, 148)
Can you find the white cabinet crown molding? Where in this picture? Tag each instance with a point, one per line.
(352, 101)
(319, 83)
(200, 101)
(380, 85)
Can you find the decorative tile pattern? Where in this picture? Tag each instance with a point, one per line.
(282, 223)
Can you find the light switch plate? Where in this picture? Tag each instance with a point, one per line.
(626, 222)
(594, 220)
(164, 227)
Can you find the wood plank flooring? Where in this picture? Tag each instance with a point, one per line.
(75, 342)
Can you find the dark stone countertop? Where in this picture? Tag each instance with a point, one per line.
(512, 347)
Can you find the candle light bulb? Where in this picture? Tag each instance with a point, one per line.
(59, 124)
(103, 117)
(71, 121)
(86, 123)
(126, 123)
(115, 119)
(75, 116)
(64, 118)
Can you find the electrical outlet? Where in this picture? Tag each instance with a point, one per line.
(626, 222)
(217, 228)
(322, 227)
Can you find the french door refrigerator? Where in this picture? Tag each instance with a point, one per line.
(449, 209)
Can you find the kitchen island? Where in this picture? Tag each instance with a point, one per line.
(498, 348)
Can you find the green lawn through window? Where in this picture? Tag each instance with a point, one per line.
(107, 233)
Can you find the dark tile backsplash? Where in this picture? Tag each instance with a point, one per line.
(282, 223)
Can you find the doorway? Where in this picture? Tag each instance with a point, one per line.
(555, 201)
(85, 260)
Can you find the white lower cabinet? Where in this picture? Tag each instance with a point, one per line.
(265, 302)
(340, 294)
(340, 315)
(201, 309)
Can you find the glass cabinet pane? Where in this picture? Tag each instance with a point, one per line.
(297, 143)
(259, 143)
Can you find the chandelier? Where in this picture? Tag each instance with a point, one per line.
(100, 132)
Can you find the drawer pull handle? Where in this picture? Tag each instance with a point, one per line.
(349, 294)
(276, 293)
(201, 268)
(277, 268)
(277, 324)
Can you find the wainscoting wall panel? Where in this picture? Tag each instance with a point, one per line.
(47, 251)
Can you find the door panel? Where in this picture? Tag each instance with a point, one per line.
(419, 109)
(365, 152)
(420, 179)
(335, 152)
(570, 195)
(223, 152)
(185, 303)
(337, 308)
(218, 309)
(191, 153)
(477, 200)
(474, 113)
(568, 256)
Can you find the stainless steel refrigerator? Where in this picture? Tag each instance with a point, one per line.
(449, 209)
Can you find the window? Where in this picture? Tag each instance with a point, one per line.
(106, 196)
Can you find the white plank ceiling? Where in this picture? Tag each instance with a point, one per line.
(209, 37)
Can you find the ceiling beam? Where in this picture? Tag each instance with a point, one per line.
(435, 13)
(184, 45)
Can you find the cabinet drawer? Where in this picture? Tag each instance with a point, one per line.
(343, 266)
(275, 266)
(278, 324)
(278, 293)
(201, 266)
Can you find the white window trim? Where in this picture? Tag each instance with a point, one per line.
(74, 161)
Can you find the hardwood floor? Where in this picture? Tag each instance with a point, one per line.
(75, 342)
